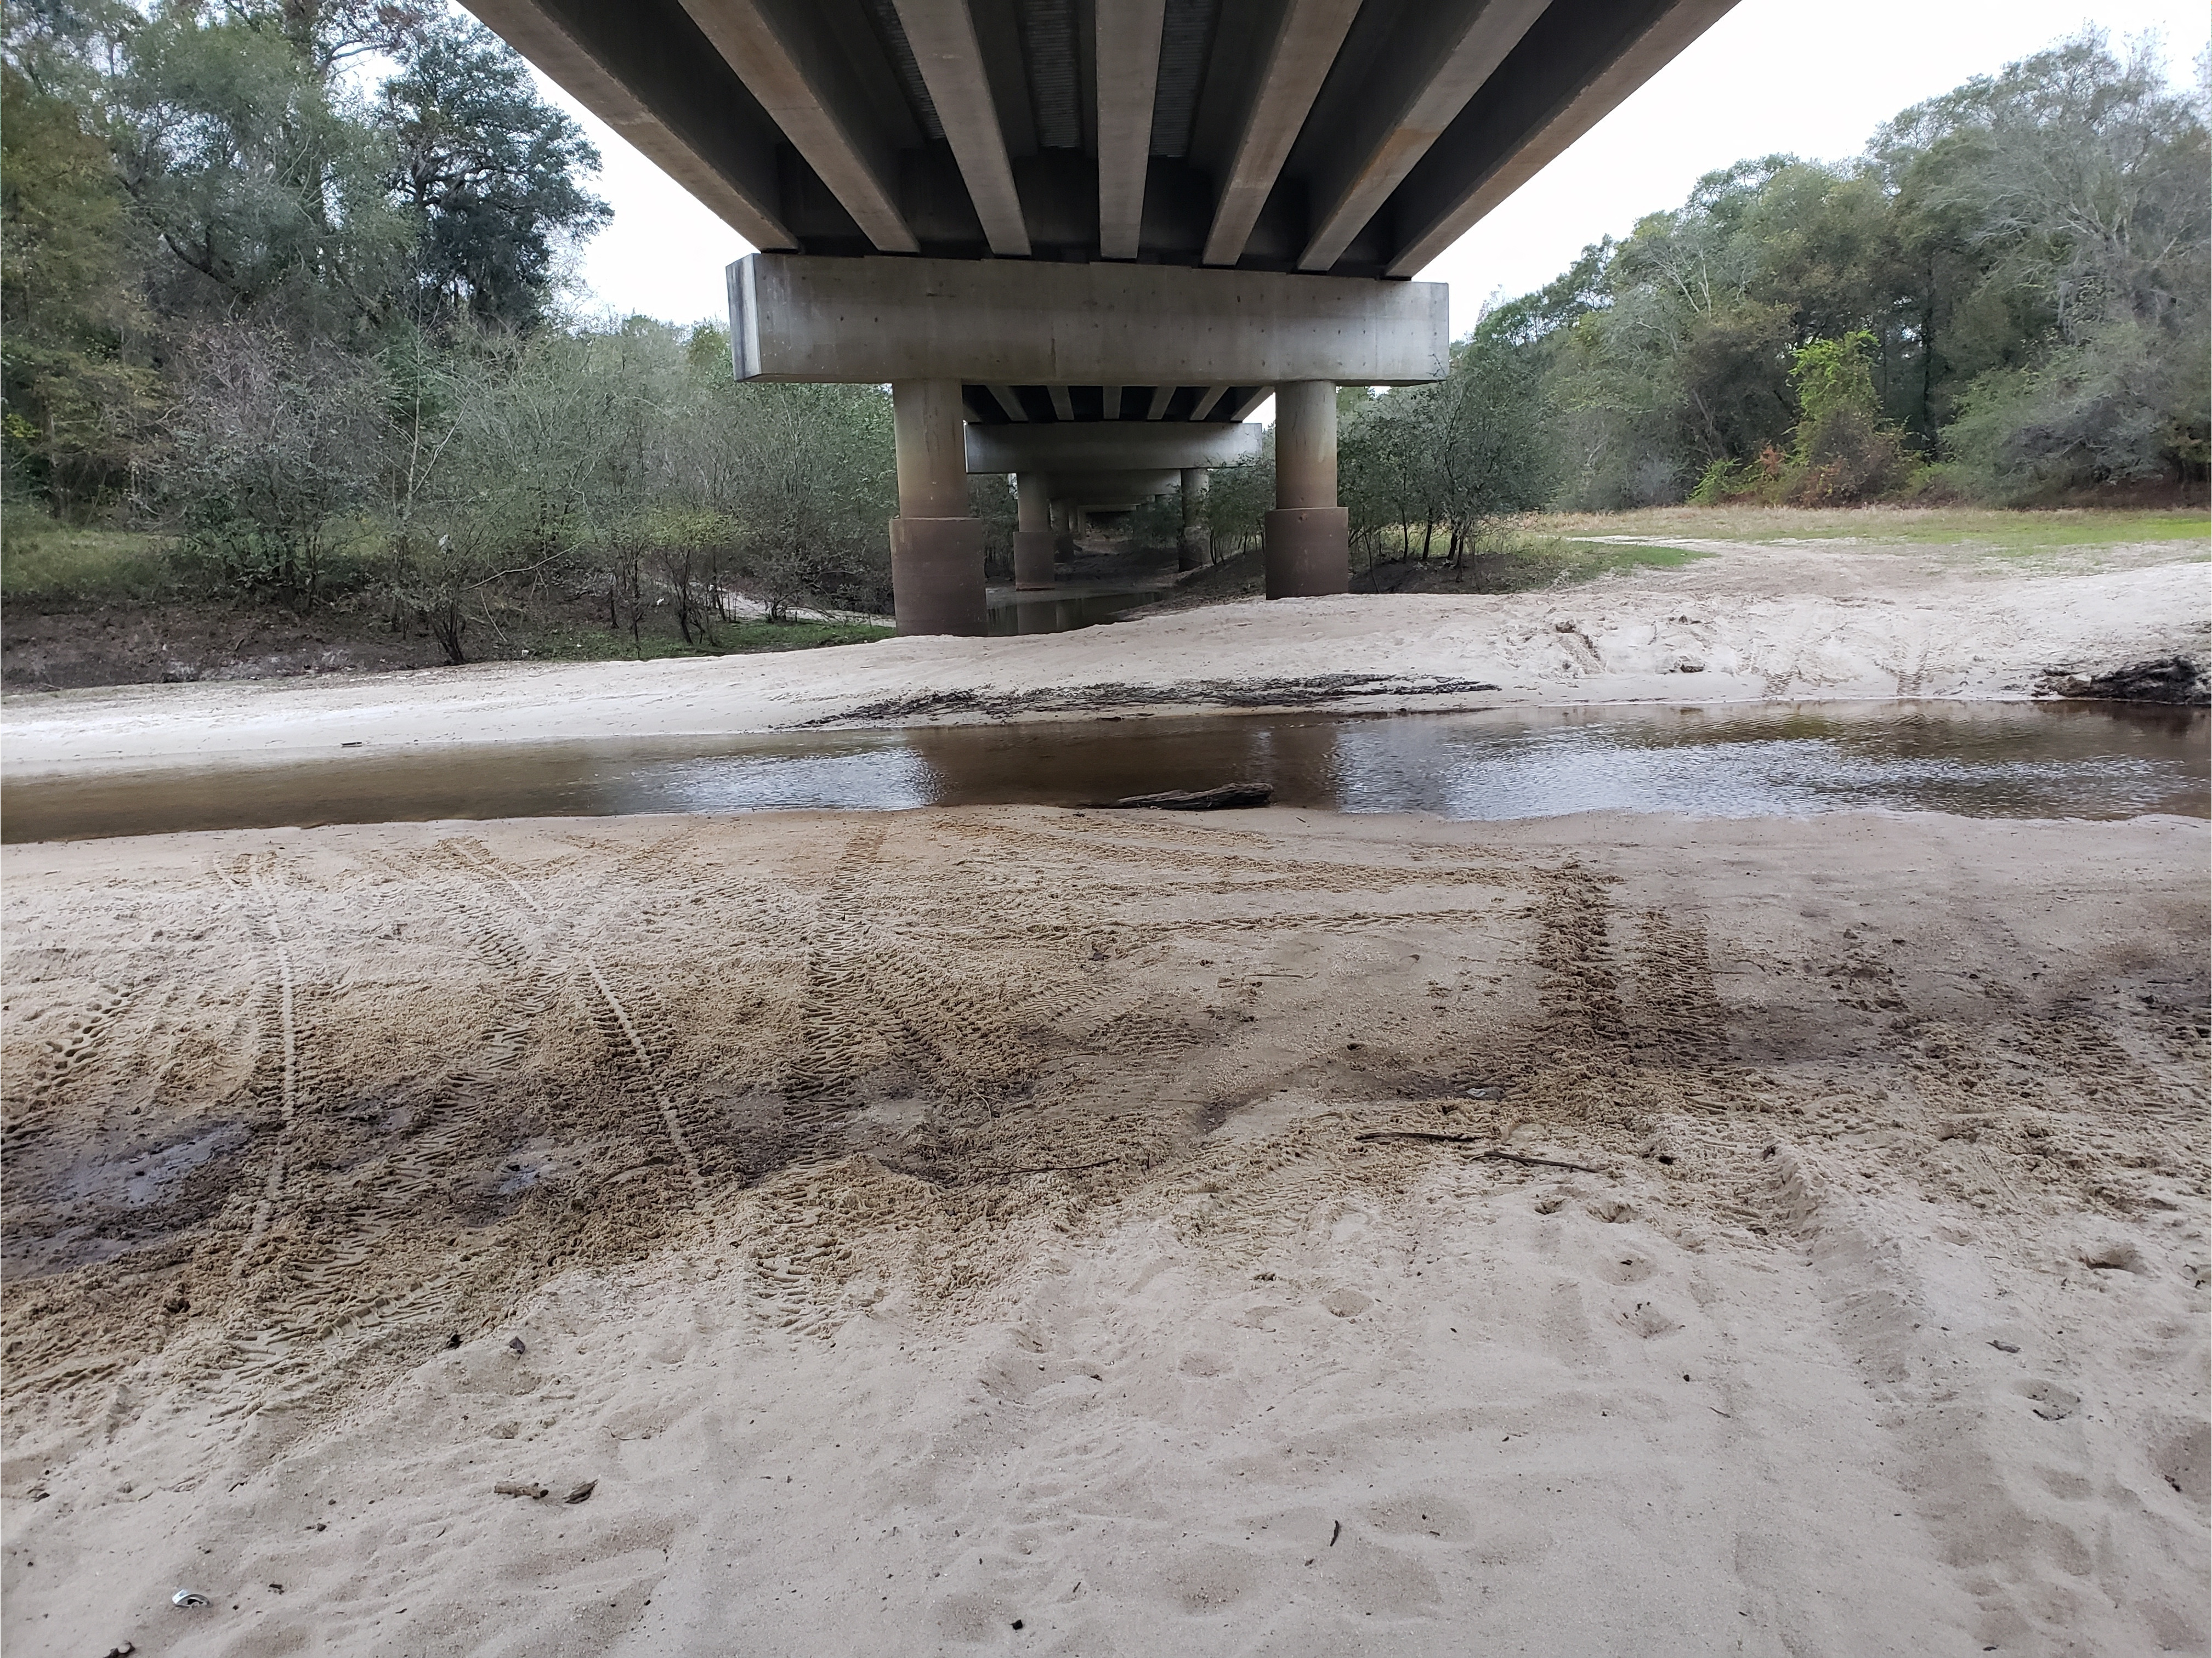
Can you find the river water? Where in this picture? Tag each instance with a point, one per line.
(2002, 760)
(1061, 610)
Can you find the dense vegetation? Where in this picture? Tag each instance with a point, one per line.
(284, 283)
(2004, 300)
(282, 278)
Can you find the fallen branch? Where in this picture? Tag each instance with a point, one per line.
(1493, 1153)
(1229, 796)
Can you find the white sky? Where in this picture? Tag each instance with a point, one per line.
(1771, 76)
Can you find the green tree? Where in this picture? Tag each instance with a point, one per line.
(76, 394)
(2069, 201)
(264, 179)
(1842, 450)
(492, 172)
(279, 447)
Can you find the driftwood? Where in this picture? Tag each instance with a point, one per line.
(1493, 1153)
(1227, 798)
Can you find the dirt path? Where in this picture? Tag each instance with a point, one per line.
(916, 1223)
(1771, 623)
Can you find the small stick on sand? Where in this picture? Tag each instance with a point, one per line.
(1469, 1140)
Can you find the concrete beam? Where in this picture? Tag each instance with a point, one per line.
(1304, 48)
(1253, 400)
(1128, 36)
(1004, 395)
(942, 34)
(1093, 446)
(1595, 57)
(782, 52)
(1106, 487)
(867, 320)
(685, 111)
(1449, 51)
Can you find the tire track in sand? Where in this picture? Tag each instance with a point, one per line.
(264, 1360)
(632, 1038)
(262, 908)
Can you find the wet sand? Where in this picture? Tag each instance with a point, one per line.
(1005, 1227)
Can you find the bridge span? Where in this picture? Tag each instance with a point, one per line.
(1076, 217)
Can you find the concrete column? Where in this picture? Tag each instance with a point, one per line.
(1032, 531)
(1309, 536)
(937, 548)
(1191, 544)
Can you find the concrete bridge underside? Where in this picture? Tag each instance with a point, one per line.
(1097, 214)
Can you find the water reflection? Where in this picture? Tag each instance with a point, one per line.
(1981, 760)
(1061, 611)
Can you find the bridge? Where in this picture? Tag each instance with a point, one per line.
(1087, 238)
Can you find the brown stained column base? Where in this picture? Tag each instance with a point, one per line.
(937, 575)
(1190, 550)
(1033, 560)
(1309, 552)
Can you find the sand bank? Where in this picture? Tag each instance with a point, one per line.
(1755, 623)
(1007, 1230)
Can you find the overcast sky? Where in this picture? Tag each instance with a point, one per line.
(1771, 76)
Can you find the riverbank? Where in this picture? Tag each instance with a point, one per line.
(950, 1230)
(1749, 623)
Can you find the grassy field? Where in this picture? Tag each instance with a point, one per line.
(1977, 529)
(49, 563)
(1518, 560)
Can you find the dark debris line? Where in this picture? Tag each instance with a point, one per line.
(1206, 693)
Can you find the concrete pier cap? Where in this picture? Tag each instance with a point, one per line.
(1016, 323)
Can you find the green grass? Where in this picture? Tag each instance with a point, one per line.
(732, 639)
(1581, 560)
(1969, 528)
(42, 561)
(1512, 562)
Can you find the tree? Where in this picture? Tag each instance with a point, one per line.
(1843, 451)
(264, 179)
(813, 487)
(490, 170)
(78, 396)
(277, 452)
(1239, 497)
(2069, 198)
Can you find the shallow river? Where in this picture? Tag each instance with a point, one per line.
(2008, 760)
(1062, 609)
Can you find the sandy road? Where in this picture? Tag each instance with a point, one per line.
(917, 1223)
